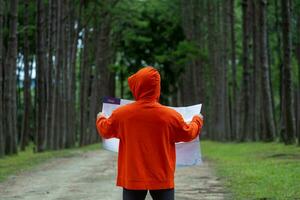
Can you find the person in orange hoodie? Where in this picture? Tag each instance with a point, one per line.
(148, 132)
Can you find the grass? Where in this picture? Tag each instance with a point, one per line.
(256, 170)
(25, 160)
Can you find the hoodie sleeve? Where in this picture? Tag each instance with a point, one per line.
(185, 132)
(107, 127)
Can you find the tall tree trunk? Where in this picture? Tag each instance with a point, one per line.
(211, 26)
(218, 123)
(49, 81)
(280, 128)
(269, 131)
(40, 75)
(257, 72)
(288, 111)
(27, 80)
(245, 126)
(2, 135)
(234, 105)
(226, 27)
(298, 89)
(74, 34)
(84, 88)
(188, 88)
(10, 118)
(61, 129)
(100, 87)
(53, 75)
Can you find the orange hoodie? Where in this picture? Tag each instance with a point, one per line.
(147, 131)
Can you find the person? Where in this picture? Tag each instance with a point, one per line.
(148, 132)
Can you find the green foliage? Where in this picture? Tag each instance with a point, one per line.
(27, 159)
(257, 170)
(150, 33)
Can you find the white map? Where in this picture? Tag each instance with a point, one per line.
(187, 153)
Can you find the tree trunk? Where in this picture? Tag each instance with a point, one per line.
(27, 80)
(234, 89)
(100, 87)
(297, 52)
(53, 75)
(269, 131)
(40, 76)
(246, 128)
(60, 107)
(2, 135)
(74, 34)
(288, 111)
(9, 92)
(84, 88)
(188, 88)
(49, 81)
(280, 127)
(212, 63)
(226, 50)
(257, 73)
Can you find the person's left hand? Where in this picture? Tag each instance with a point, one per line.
(100, 114)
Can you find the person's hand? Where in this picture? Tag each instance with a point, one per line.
(100, 114)
(200, 115)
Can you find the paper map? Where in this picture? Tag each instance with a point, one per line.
(187, 153)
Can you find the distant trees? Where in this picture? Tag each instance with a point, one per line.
(208, 71)
(251, 83)
(57, 57)
(48, 56)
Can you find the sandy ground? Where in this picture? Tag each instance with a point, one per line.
(91, 176)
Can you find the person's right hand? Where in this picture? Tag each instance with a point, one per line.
(100, 114)
(200, 115)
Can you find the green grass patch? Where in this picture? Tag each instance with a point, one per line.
(25, 160)
(256, 170)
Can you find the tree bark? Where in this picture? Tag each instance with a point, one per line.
(188, 88)
(10, 119)
(2, 135)
(49, 81)
(100, 85)
(269, 131)
(257, 72)
(246, 128)
(297, 52)
(226, 57)
(48, 70)
(40, 138)
(53, 51)
(288, 112)
(27, 80)
(280, 128)
(212, 63)
(84, 88)
(234, 87)
(74, 35)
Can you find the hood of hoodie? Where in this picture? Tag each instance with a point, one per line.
(145, 84)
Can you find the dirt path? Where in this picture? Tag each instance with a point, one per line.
(91, 176)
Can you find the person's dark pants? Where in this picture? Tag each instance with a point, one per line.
(165, 194)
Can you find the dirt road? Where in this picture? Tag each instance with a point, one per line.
(91, 176)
